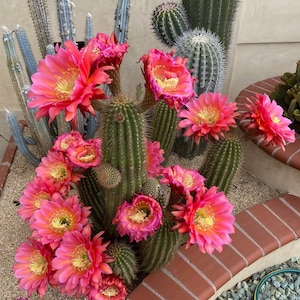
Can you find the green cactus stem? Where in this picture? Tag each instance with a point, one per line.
(206, 58)
(124, 148)
(159, 249)
(169, 21)
(163, 114)
(41, 20)
(125, 263)
(214, 15)
(222, 162)
(92, 194)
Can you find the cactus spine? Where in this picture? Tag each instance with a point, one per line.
(169, 21)
(125, 262)
(222, 163)
(214, 15)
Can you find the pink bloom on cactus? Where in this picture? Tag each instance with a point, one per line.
(65, 140)
(80, 262)
(183, 180)
(56, 169)
(209, 114)
(138, 219)
(33, 267)
(168, 78)
(111, 288)
(63, 82)
(107, 51)
(208, 220)
(35, 192)
(85, 154)
(155, 156)
(266, 117)
(56, 217)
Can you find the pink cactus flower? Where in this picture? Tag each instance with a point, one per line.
(138, 219)
(64, 82)
(80, 262)
(168, 78)
(208, 115)
(207, 218)
(265, 118)
(155, 156)
(33, 267)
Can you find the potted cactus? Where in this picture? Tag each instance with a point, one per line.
(105, 208)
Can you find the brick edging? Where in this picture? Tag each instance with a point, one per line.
(192, 275)
(291, 156)
(8, 158)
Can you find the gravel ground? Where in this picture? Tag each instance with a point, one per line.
(246, 192)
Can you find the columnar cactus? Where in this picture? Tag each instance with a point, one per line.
(222, 162)
(214, 15)
(169, 21)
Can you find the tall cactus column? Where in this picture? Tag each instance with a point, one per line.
(124, 148)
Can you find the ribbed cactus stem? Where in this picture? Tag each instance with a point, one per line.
(158, 250)
(125, 263)
(40, 15)
(66, 20)
(30, 63)
(92, 194)
(222, 162)
(122, 20)
(206, 58)
(89, 28)
(124, 148)
(169, 21)
(214, 15)
(163, 114)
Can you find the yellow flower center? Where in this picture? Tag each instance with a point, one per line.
(208, 115)
(80, 259)
(168, 83)
(139, 214)
(204, 218)
(61, 221)
(188, 180)
(65, 84)
(38, 264)
(275, 119)
(58, 172)
(88, 157)
(39, 197)
(111, 291)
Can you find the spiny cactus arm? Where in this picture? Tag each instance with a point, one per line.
(19, 138)
(196, 11)
(30, 63)
(41, 20)
(89, 28)
(39, 129)
(163, 115)
(169, 21)
(222, 162)
(66, 20)
(122, 20)
(125, 262)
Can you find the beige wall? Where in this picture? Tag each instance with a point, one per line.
(267, 39)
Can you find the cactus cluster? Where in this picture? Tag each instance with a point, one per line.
(134, 211)
(287, 95)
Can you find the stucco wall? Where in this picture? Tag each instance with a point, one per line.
(266, 39)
